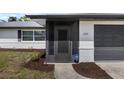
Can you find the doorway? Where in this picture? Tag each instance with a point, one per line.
(62, 44)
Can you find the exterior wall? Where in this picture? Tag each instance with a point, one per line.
(9, 39)
(10, 35)
(86, 42)
(23, 45)
(86, 38)
(74, 37)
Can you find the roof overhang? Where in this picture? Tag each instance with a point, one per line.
(84, 16)
(22, 27)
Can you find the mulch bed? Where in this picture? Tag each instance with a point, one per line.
(91, 70)
(39, 65)
(23, 50)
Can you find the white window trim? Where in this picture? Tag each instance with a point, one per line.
(33, 36)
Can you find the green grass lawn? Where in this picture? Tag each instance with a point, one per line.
(12, 66)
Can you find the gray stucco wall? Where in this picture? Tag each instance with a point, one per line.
(8, 35)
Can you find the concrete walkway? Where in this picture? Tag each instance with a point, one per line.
(66, 71)
(114, 69)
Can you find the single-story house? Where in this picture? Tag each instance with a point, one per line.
(22, 35)
(92, 36)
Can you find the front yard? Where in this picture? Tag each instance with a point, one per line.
(12, 66)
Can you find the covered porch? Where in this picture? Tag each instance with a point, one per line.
(62, 36)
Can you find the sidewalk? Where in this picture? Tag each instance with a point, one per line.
(66, 71)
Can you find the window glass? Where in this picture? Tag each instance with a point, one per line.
(27, 35)
(39, 35)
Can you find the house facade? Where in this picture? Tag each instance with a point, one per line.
(22, 35)
(92, 36)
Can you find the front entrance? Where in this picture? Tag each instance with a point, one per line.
(62, 40)
(62, 43)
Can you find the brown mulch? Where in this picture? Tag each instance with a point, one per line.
(23, 50)
(91, 70)
(39, 65)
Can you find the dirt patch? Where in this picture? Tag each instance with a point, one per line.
(38, 65)
(23, 50)
(91, 70)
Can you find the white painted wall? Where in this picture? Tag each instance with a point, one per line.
(8, 35)
(9, 39)
(86, 38)
(86, 42)
(23, 45)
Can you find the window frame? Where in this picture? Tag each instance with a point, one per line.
(44, 36)
(33, 36)
(22, 36)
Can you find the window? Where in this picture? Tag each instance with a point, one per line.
(33, 35)
(39, 35)
(27, 36)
